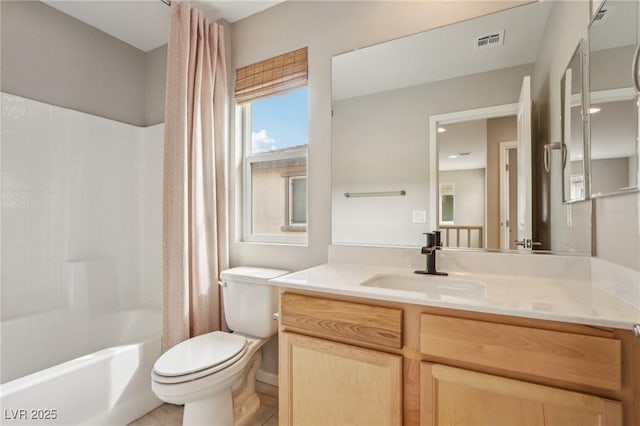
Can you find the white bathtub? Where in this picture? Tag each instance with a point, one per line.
(111, 386)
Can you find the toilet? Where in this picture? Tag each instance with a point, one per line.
(213, 374)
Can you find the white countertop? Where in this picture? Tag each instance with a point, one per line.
(573, 301)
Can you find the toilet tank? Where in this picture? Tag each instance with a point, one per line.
(249, 301)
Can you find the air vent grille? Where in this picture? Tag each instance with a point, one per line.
(602, 15)
(486, 41)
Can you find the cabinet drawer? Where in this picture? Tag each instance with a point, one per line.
(343, 321)
(580, 359)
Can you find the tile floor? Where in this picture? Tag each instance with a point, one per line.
(171, 415)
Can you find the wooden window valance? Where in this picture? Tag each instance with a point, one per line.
(271, 76)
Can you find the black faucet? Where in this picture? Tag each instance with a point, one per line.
(433, 244)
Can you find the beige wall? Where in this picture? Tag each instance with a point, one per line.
(68, 63)
(603, 76)
(269, 192)
(609, 173)
(499, 130)
(155, 77)
(50, 57)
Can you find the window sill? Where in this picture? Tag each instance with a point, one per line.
(293, 228)
(290, 242)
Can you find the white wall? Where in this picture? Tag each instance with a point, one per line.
(70, 192)
(327, 28)
(150, 198)
(619, 229)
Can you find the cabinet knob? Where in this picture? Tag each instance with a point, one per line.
(636, 330)
(276, 316)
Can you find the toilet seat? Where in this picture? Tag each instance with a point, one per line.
(199, 356)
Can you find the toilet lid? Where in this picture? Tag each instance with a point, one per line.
(199, 353)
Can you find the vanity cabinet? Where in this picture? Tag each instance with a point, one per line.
(326, 382)
(352, 361)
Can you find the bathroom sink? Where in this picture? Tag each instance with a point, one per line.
(433, 286)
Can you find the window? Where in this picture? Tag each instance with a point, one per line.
(275, 164)
(296, 204)
(447, 191)
(273, 100)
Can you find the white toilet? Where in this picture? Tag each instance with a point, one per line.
(213, 374)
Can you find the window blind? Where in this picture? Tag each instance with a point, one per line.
(275, 75)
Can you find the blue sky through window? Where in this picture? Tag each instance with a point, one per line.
(279, 121)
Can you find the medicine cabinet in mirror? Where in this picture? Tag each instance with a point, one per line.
(416, 150)
(613, 97)
(572, 148)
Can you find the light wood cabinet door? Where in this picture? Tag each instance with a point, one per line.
(452, 396)
(325, 383)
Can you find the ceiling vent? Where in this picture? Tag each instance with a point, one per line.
(493, 39)
(602, 15)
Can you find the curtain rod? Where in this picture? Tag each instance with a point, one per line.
(167, 2)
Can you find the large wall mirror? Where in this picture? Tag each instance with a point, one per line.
(433, 131)
(613, 109)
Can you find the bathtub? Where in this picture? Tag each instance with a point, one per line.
(110, 386)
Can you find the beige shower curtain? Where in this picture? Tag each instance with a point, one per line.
(194, 204)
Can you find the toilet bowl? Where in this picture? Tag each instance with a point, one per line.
(213, 374)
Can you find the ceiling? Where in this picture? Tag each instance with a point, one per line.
(144, 24)
(467, 137)
(442, 53)
(616, 27)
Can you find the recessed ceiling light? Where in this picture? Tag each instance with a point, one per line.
(452, 156)
(593, 110)
(441, 130)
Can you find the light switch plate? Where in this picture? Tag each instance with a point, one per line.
(419, 216)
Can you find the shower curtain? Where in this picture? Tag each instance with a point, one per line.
(194, 199)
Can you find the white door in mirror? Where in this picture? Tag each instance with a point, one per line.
(524, 163)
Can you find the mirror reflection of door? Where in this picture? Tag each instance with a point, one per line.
(524, 173)
(493, 209)
(462, 162)
(572, 154)
(479, 198)
(508, 194)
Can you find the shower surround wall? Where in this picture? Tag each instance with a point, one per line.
(75, 187)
